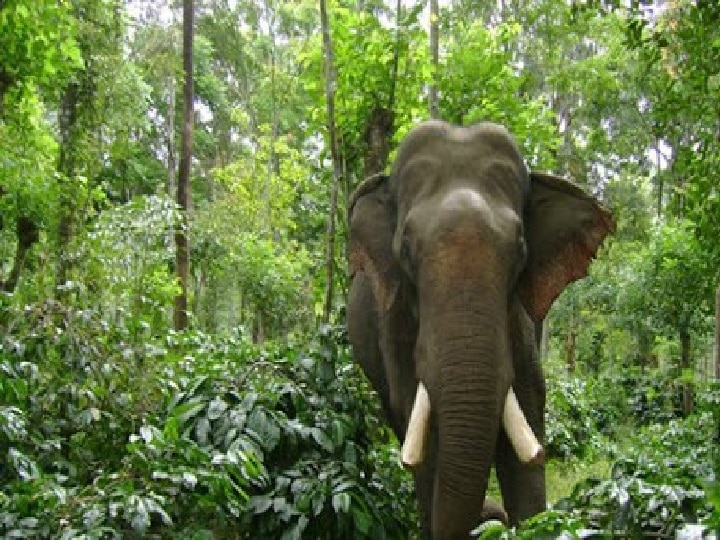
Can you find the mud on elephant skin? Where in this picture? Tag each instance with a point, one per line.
(454, 259)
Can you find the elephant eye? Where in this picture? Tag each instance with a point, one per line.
(521, 243)
(407, 256)
(522, 250)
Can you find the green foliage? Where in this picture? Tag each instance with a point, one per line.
(665, 477)
(107, 435)
(40, 53)
(653, 397)
(580, 413)
(265, 197)
(327, 476)
(124, 264)
(28, 184)
(367, 76)
(477, 82)
(38, 43)
(569, 429)
(269, 280)
(83, 390)
(656, 489)
(665, 283)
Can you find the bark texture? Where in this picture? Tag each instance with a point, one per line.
(183, 188)
(337, 166)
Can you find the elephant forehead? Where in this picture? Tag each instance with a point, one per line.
(464, 199)
(489, 210)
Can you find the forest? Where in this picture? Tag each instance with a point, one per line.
(175, 188)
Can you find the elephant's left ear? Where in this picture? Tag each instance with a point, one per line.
(564, 227)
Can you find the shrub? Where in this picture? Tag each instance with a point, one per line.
(188, 436)
(666, 478)
(570, 428)
(653, 396)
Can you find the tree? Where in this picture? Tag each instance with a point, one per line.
(435, 59)
(183, 188)
(337, 168)
(680, 292)
(40, 54)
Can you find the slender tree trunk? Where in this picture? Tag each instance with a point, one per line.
(337, 166)
(545, 339)
(717, 332)
(644, 350)
(687, 401)
(27, 234)
(396, 56)
(377, 140)
(570, 342)
(435, 57)
(171, 138)
(183, 190)
(272, 166)
(658, 180)
(381, 123)
(67, 120)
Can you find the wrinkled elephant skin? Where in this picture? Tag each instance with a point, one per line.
(455, 258)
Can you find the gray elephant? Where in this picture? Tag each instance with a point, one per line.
(455, 259)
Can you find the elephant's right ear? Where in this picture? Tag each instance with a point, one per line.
(373, 212)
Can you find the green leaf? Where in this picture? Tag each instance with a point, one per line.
(216, 409)
(187, 411)
(341, 502)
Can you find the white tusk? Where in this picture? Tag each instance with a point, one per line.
(413, 449)
(522, 438)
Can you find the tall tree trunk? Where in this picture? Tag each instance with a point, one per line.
(183, 189)
(717, 332)
(570, 347)
(381, 123)
(687, 399)
(171, 138)
(337, 166)
(378, 133)
(272, 165)
(658, 179)
(545, 339)
(644, 349)
(435, 57)
(27, 234)
(67, 121)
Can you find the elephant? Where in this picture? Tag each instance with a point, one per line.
(455, 258)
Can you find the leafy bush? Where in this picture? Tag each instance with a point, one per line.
(188, 436)
(570, 428)
(658, 487)
(667, 477)
(653, 396)
(607, 400)
(125, 263)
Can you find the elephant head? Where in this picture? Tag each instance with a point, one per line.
(454, 259)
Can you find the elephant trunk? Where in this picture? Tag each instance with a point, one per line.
(467, 344)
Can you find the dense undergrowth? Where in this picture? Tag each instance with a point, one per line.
(664, 468)
(106, 434)
(110, 430)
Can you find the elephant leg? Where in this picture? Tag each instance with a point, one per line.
(424, 484)
(523, 486)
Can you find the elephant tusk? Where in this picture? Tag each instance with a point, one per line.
(522, 438)
(413, 449)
